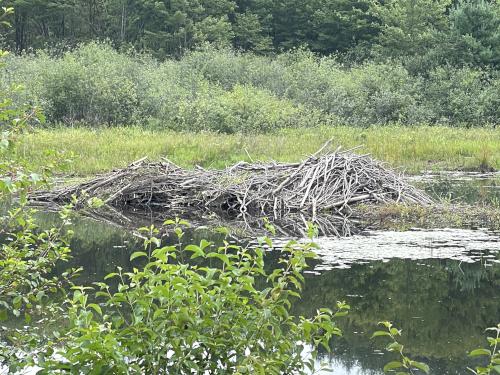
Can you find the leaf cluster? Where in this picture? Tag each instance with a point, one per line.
(196, 307)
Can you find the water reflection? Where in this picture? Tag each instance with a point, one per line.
(442, 303)
(471, 188)
(291, 225)
(442, 306)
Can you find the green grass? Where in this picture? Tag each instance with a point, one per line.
(412, 148)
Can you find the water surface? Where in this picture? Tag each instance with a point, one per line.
(441, 287)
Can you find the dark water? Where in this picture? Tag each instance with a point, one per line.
(442, 304)
(442, 288)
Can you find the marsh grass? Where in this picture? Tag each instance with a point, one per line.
(412, 148)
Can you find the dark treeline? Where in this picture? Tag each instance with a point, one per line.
(422, 32)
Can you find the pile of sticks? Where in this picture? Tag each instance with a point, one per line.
(325, 181)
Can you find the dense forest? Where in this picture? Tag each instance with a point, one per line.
(425, 32)
(256, 65)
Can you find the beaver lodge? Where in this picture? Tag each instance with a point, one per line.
(325, 181)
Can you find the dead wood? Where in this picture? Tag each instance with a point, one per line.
(330, 181)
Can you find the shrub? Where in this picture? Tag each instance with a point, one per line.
(462, 96)
(223, 315)
(242, 109)
(92, 84)
(227, 91)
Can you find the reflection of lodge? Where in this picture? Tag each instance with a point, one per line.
(291, 225)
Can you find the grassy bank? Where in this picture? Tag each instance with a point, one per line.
(415, 149)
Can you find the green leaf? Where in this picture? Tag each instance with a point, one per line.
(222, 257)
(392, 365)
(158, 313)
(138, 254)
(394, 347)
(204, 244)
(395, 332)
(196, 250)
(17, 301)
(380, 333)
(95, 307)
(421, 366)
(110, 275)
(479, 352)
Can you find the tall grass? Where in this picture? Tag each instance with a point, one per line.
(226, 91)
(414, 149)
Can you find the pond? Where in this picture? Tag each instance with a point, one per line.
(441, 287)
(471, 188)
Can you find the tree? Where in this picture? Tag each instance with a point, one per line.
(409, 27)
(250, 34)
(341, 24)
(475, 33)
(290, 23)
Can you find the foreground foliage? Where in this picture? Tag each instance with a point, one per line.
(28, 253)
(193, 308)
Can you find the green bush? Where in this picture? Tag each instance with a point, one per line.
(363, 95)
(218, 312)
(462, 96)
(93, 84)
(227, 91)
(242, 109)
(370, 93)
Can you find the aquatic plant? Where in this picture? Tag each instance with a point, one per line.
(492, 354)
(406, 366)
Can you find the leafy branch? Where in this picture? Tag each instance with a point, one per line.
(404, 365)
